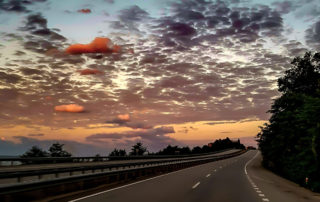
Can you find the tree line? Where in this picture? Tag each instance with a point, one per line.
(56, 150)
(290, 142)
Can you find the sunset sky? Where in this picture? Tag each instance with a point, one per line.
(103, 74)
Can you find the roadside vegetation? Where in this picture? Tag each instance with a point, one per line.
(138, 149)
(290, 142)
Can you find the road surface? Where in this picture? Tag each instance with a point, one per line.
(238, 179)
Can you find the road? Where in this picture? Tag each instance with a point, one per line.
(238, 179)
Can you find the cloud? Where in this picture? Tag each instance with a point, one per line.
(98, 45)
(17, 5)
(74, 108)
(36, 135)
(89, 71)
(144, 133)
(313, 35)
(124, 117)
(36, 24)
(155, 138)
(121, 119)
(130, 18)
(84, 10)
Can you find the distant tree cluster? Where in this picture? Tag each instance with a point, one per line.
(118, 152)
(221, 144)
(55, 150)
(290, 142)
(217, 145)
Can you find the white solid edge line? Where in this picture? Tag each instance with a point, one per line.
(127, 185)
(195, 186)
(245, 167)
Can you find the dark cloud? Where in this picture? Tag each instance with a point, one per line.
(285, 7)
(9, 78)
(154, 138)
(36, 24)
(313, 35)
(130, 18)
(18, 6)
(125, 120)
(36, 135)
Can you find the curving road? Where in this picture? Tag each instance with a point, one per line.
(238, 179)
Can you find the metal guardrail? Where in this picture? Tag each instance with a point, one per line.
(38, 174)
(13, 161)
(54, 187)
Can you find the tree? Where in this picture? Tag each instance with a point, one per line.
(116, 152)
(138, 149)
(303, 76)
(56, 150)
(35, 151)
(290, 142)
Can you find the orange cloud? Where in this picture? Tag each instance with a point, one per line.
(89, 71)
(98, 45)
(124, 117)
(48, 98)
(86, 11)
(69, 108)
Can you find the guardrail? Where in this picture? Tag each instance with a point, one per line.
(41, 189)
(13, 161)
(11, 176)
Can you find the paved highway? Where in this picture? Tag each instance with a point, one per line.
(238, 179)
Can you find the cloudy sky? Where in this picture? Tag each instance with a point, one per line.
(101, 74)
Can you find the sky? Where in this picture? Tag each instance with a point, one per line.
(104, 74)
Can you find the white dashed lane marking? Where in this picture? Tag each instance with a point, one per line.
(208, 175)
(195, 186)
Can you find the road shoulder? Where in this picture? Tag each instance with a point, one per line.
(275, 187)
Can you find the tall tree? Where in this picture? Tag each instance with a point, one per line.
(138, 149)
(290, 141)
(56, 150)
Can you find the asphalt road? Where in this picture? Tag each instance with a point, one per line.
(238, 179)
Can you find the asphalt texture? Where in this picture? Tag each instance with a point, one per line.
(238, 179)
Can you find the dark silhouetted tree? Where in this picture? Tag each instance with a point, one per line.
(116, 152)
(35, 151)
(138, 149)
(56, 150)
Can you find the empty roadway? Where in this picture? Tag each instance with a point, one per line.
(224, 181)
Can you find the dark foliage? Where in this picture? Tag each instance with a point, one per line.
(211, 147)
(138, 149)
(35, 152)
(290, 142)
(118, 152)
(56, 150)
